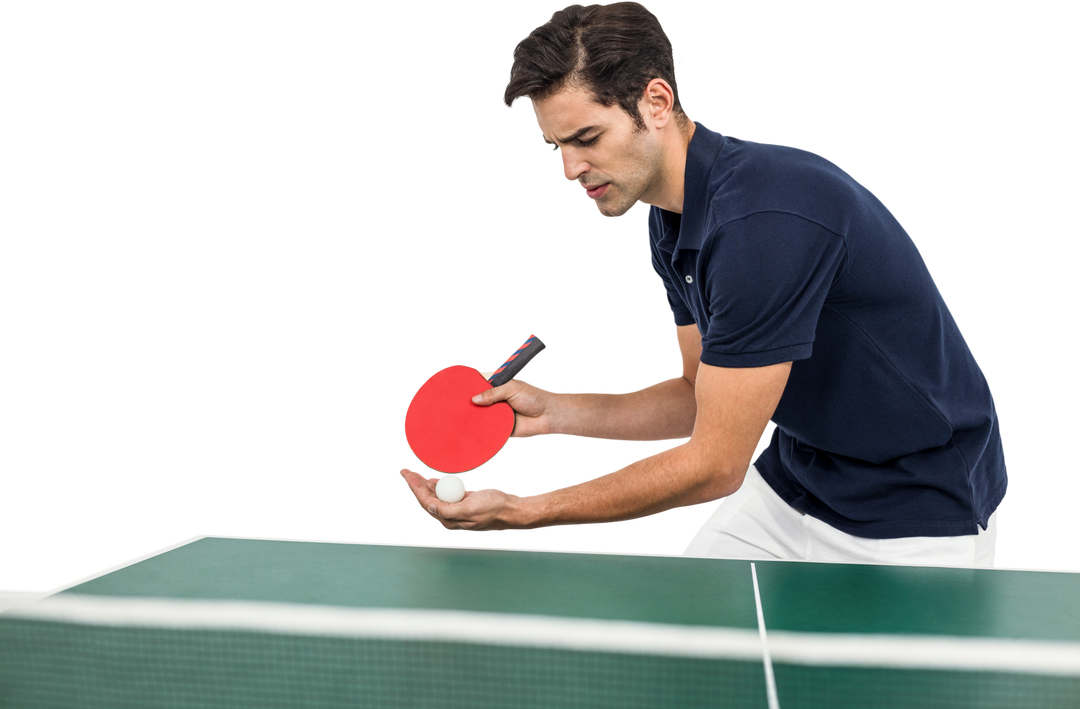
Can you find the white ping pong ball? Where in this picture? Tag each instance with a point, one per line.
(450, 489)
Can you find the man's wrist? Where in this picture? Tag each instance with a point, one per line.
(525, 512)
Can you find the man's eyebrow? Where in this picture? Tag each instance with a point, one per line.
(580, 132)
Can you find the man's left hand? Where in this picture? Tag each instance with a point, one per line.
(480, 510)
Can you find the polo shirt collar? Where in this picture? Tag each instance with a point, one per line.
(689, 231)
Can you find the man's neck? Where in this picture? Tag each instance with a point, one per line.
(678, 170)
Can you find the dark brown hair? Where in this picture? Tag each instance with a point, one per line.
(613, 51)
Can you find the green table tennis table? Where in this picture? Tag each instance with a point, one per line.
(222, 622)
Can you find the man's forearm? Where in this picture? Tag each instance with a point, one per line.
(663, 411)
(684, 475)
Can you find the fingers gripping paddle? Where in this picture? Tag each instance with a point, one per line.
(451, 434)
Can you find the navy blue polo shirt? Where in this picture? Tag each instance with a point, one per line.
(886, 427)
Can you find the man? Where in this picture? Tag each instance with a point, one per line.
(797, 297)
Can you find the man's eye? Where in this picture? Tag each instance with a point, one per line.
(581, 143)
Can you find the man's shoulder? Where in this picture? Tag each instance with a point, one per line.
(748, 178)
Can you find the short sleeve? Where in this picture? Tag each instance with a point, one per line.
(766, 279)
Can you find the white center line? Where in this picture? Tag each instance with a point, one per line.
(766, 658)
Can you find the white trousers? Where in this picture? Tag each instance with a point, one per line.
(755, 523)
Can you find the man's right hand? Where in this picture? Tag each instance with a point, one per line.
(533, 407)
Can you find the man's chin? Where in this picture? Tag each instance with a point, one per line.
(605, 214)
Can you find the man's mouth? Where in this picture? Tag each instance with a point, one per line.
(597, 192)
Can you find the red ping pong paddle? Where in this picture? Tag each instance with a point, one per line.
(451, 434)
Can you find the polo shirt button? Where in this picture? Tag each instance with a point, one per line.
(689, 279)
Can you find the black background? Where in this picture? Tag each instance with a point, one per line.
(347, 211)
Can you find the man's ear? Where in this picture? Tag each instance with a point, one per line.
(657, 103)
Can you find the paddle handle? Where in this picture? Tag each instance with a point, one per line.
(518, 359)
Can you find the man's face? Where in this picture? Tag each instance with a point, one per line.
(616, 164)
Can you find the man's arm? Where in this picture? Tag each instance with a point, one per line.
(733, 407)
(657, 413)
(725, 412)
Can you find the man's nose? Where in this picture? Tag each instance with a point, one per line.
(571, 166)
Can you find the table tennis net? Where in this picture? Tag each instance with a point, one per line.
(47, 663)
